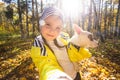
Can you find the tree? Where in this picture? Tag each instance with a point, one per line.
(27, 27)
(41, 5)
(9, 12)
(90, 17)
(97, 18)
(37, 16)
(117, 21)
(33, 18)
(20, 20)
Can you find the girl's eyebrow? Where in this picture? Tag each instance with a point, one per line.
(48, 23)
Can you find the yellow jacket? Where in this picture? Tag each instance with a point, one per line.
(48, 63)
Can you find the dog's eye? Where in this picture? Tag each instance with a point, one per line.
(90, 37)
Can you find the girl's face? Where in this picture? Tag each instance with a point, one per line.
(52, 27)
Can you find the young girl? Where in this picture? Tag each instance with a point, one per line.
(50, 51)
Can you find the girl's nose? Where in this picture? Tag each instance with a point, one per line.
(52, 30)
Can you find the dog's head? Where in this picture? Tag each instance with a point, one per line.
(83, 38)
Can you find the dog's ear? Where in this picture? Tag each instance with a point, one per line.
(77, 28)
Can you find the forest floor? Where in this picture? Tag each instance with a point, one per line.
(16, 64)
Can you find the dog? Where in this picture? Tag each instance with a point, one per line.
(83, 38)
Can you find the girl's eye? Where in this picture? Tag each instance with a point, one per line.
(48, 24)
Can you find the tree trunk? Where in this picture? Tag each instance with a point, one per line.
(99, 21)
(110, 20)
(97, 17)
(101, 16)
(41, 6)
(90, 17)
(37, 14)
(105, 20)
(33, 18)
(20, 20)
(27, 27)
(117, 21)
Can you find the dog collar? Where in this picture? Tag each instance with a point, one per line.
(77, 47)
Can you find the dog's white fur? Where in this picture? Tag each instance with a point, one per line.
(80, 38)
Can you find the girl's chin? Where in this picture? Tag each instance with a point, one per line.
(50, 39)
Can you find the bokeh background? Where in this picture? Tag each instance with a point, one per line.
(19, 21)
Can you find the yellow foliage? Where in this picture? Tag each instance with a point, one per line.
(23, 78)
(93, 70)
(31, 66)
(104, 71)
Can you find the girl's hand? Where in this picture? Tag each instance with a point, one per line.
(64, 78)
(58, 75)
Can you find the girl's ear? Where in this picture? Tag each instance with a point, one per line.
(77, 29)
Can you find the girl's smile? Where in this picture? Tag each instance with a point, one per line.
(50, 35)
